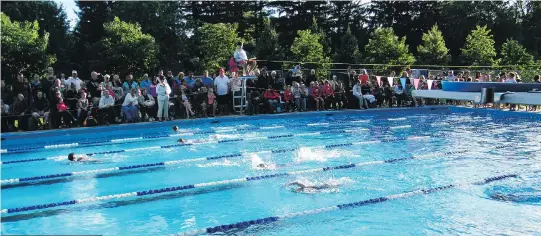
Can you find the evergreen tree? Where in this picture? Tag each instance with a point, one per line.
(267, 45)
(479, 49)
(433, 50)
(515, 57)
(349, 49)
(384, 47)
(515, 54)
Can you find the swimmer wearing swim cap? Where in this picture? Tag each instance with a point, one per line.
(181, 140)
(73, 157)
(175, 128)
(303, 187)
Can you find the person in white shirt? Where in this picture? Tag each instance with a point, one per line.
(511, 78)
(130, 111)
(240, 57)
(74, 80)
(106, 107)
(163, 90)
(221, 86)
(358, 94)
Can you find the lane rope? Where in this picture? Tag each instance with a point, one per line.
(359, 129)
(200, 142)
(345, 206)
(223, 129)
(207, 184)
(198, 159)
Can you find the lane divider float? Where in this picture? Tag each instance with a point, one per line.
(345, 206)
(205, 184)
(182, 161)
(197, 132)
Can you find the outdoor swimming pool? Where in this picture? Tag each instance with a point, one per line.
(387, 163)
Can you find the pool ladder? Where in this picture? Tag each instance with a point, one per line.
(239, 100)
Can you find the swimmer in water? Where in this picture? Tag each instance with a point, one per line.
(73, 157)
(308, 188)
(175, 128)
(181, 140)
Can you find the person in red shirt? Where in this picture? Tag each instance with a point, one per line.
(288, 98)
(317, 94)
(63, 112)
(272, 98)
(328, 94)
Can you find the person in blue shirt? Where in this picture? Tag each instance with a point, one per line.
(207, 81)
(129, 84)
(189, 79)
(145, 83)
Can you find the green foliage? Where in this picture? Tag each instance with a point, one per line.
(217, 43)
(51, 19)
(433, 50)
(349, 49)
(323, 38)
(163, 21)
(515, 57)
(307, 49)
(267, 45)
(515, 54)
(124, 48)
(479, 49)
(23, 49)
(384, 47)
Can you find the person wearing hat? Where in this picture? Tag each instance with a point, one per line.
(74, 79)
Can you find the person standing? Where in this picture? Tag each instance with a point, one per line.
(163, 90)
(74, 79)
(207, 80)
(221, 86)
(94, 88)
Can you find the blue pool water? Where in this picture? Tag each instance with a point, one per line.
(450, 146)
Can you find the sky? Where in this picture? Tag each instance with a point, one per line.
(71, 10)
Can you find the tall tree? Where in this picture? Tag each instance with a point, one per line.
(216, 42)
(268, 47)
(532, 28)
(433, 50)
(384, 47)
(165, 22)
(125, 49)
(89, 30)
(308, 50)
(23, 49)
(349, 49)
(515, 57)
(51, 19)
(479, 49)
(324, 40)
(515, 54)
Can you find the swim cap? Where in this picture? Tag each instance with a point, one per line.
(71, 156)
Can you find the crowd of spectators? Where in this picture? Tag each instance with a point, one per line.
(49, 101)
